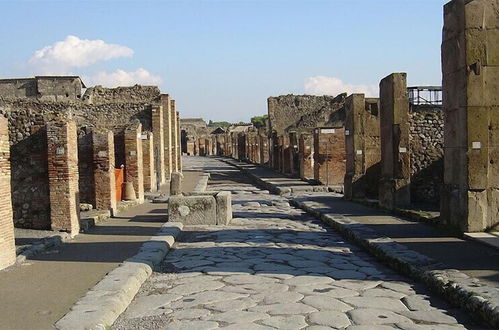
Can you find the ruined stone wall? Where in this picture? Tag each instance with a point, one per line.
(133, 94)
(426, 145)
(329, 156)
(304, 112)
(7, 245)
(27, 119)
(86, 167)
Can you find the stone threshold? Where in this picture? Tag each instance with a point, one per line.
(490, 239)
(105, 302)
(481, 300)
(89, 219)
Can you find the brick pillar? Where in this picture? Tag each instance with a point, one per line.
(179, 145)
(62, 154)
(394, 190)
(306, 156)
(167, 127)
(148, 162)
(470, 67)
(158, 130)
(329, 156)
(173, 116)
(134, 167)
(104, 161)
(7, 245)
(294, 163)
(286, 154)
(362, 144)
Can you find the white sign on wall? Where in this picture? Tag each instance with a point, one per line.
(328, 130)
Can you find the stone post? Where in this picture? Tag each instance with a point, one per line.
(134, 171)
(306, 156)
(173, 150)
(470, 67)
(63, 177)
(104, 161)
(362, 146)
(176, 183)
(7, 244)
(329, 156)
(179, 145)
(158, 130)
(394, 190)
(148, 161)
(167, 126)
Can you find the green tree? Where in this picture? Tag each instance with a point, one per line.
(259, 121)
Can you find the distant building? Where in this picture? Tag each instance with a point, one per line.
(45, 88)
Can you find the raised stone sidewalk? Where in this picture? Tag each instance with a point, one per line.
(471, 282)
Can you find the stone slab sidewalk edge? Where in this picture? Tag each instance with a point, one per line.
(480, 300)
(102, 305)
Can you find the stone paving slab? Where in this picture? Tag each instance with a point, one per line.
(276, 267)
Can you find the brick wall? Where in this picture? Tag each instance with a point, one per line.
(134, 171)
(179, 144)
(329, 156)
(173, 132)
(7, 245)
(103, 164)
(62, 153)
(86, 167)
(167, 126)
(148, 160)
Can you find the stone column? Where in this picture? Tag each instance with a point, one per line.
(148, 162)
(264, 150)
(104, 161)
(329, 156)
(158, 130)
(362, 146)
(167, 126)
(306, 154)
(394, 190)
(174, 165)
(7, 244)
(179, 145)
(63, 177)
(470, 66)
(134, 171)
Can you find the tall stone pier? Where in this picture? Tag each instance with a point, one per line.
(306, 154)
(63, 177)
(362, 146)
(7, 245)
(167, 127)
(470, 67)
(148, 161)
(173, 132)
(104, 161)
(394, 190)
(158, 131)
(134, 171)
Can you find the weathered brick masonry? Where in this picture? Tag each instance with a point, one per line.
(167, 126)
(470, 67)
(63, 176)
(158, 131)
(7, 245)
(306, 150)
(329, 156)
(103, 163)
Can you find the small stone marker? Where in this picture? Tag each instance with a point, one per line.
(176, 183)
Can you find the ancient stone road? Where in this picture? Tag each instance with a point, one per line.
(277, 267)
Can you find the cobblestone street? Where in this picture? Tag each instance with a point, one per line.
(277, 267)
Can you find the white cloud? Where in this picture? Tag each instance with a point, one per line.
(73, 52)
(122, 78)
(322, 85)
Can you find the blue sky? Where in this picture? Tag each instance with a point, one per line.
(221, 59)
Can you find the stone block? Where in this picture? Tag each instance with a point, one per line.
(224, 207)
(176, 183)
(193, 210)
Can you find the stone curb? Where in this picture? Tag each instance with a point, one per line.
(480, 300)
(102, 305)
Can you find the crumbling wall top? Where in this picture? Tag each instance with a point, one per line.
(132, 94)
